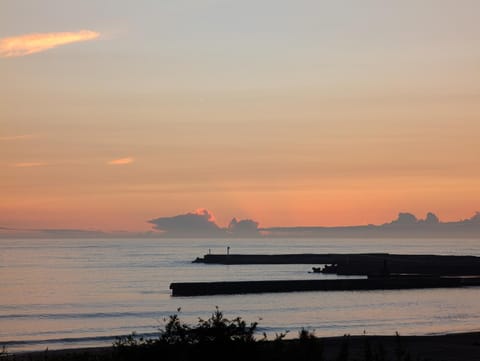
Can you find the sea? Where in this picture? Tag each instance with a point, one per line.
(71, 293)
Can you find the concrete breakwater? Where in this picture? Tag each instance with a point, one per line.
(363, 263)
(383, 283)
(385, 272)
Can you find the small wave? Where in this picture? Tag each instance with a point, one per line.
(73, 340)
(59, 316)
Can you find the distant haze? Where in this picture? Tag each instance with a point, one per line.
(203, 224)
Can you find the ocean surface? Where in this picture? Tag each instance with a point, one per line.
(83, 292)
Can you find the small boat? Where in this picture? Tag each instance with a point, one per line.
(328, 268)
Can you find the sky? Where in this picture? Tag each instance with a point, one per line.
(289, 113)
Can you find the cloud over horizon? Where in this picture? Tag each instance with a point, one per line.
(200, 223)
(245, 228)
(62, 233)
(18, 137)
(29, 164)
(28, 44)
(405, 225)
(121, 161)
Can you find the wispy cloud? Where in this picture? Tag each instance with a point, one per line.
(18, 137)
(29, 164)
(121, 161)
(34, 43)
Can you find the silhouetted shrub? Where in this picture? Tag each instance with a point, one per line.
(213, 338)
(344, 353)
(217, 329)
(305, 335)
(220, 338)
(4, 352)
(220, 329)
(310, 347)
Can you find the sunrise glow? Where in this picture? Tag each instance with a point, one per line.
(284, 120)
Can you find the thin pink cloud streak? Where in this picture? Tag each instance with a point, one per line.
(29, 164)
(37, 42)
(121, 161)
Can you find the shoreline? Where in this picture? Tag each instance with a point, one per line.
(447, 347)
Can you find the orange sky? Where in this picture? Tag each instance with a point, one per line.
(291, 114)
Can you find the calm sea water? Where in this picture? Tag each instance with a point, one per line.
(83, 292)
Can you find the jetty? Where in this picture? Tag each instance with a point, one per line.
(380, 283)
(361, 263)
(381, 271)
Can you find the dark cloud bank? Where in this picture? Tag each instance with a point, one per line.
(201, 225)
(405, 226)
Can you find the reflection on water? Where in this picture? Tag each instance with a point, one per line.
(82, 292)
